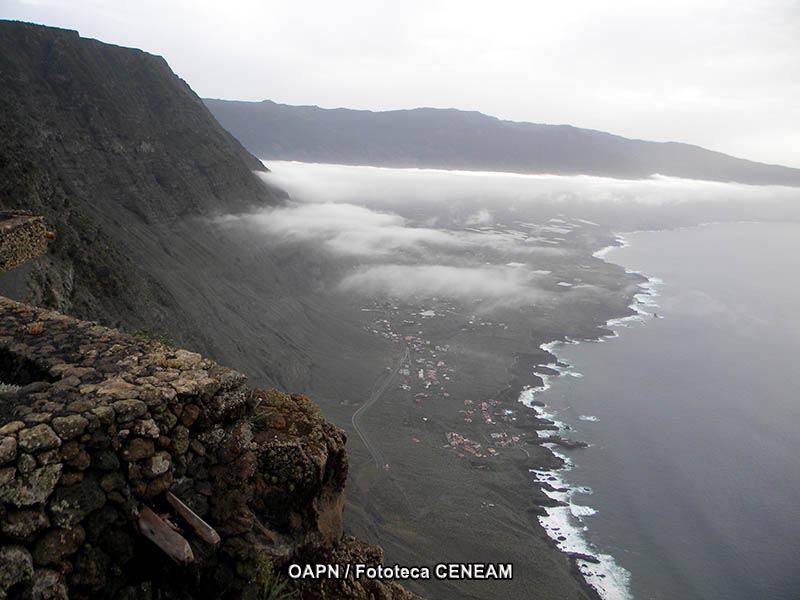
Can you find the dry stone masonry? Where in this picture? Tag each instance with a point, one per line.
(23, 237)
(118, 453)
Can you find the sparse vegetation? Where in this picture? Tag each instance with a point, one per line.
(267, 583)
(258, 418)
(8, 387)
(267, 399)
(151, 336)
(35, 328)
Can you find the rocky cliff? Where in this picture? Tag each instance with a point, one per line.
(108, 437)
(104, 434)
(92, 134)
(128, 166)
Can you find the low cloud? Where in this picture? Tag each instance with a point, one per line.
(308, 221)
(481, 217)
(481, 198)
(344, 229)
(506, 285)
(357, 231)
(499, 237)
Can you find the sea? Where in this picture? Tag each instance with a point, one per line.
(690, 486)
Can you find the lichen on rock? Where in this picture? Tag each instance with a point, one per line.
(83, 454)
(17, 567)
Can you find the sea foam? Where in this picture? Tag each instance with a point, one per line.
(565, 524)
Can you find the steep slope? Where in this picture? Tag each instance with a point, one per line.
(127, 165)
(454, 139)
(129, 169)
(152, 147)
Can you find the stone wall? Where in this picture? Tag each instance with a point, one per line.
(104, 424)
(22, 238)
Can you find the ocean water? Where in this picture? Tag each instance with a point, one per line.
(693, 419)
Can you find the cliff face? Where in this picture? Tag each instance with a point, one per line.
(104, 436)
(108, 429)
(92, 136)
(127, 165)
(126, 130)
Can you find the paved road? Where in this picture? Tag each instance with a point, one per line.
(380, 389)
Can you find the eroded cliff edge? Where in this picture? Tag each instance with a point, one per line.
(104, 425)
(129, 168)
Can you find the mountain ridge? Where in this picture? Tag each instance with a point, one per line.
(450, 138)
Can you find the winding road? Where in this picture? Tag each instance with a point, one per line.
(380, 389)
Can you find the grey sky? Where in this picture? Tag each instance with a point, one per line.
(721, 74)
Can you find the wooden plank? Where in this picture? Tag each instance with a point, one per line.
(172, 543)
(204, 531)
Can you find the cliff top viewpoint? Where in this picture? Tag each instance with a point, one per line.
(117, 451)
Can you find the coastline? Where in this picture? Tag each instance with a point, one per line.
(678, 420)
(564, 522)
(419, 507)
(453, 465)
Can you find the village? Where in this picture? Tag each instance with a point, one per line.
(424, 378)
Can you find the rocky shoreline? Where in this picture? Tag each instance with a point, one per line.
(473, 495)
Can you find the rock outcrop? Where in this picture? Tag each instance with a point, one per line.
(23, 237)
(106, 427)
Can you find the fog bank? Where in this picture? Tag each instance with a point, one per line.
(491, 238)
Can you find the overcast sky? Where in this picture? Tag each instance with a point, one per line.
(721, 74)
